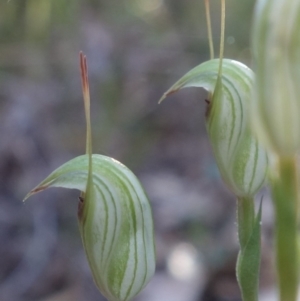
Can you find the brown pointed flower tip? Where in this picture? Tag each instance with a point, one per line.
(84, 75)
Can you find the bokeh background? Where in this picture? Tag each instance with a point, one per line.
(136, 49)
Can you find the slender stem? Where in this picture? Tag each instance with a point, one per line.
(222, 34)
(285, 196)
(86, 196)
(209, 31)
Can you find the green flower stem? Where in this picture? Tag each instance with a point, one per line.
(209, 31)
(285, 196)
(248, 262)
(245, 217)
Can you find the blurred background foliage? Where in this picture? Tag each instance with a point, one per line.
(136, 49)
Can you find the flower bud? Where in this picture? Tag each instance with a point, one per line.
(115, 222)
(114, 213)
(241, 160)
(276, 48)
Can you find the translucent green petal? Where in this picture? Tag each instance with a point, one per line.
(241, 161)
(276, 50)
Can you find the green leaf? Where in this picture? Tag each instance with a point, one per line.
(248, 263)
(115, 223)
(241, 161)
